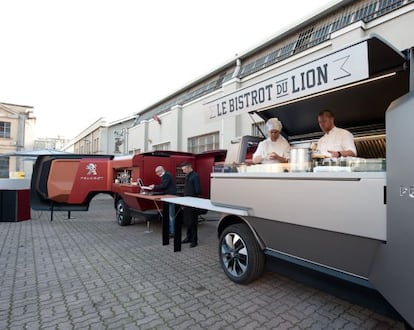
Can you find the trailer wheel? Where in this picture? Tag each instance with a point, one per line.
(122, 213)
(241, 257)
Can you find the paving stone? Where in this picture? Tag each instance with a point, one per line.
(89, 273)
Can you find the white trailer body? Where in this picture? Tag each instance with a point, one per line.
(358, 226)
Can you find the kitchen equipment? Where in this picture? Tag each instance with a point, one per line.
(369, 165)
(300, 160)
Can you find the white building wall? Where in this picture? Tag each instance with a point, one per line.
(190, 120)
(396, 27)
(390, 27)
(137, 138)
(117, 137)
(165, 131)
(22, 123)
(195, 123)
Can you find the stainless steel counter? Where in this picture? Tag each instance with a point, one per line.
(303, 175)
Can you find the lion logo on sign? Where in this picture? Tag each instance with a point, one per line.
(91, 167)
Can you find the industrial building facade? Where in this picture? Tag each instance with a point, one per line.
(186, 121)
(16, 133)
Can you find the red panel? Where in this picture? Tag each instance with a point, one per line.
(170, 163)
(94, 174)
(23, 205)
(204, 167)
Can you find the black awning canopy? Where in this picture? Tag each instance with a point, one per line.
(361, 104)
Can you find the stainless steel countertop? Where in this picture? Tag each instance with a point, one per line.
(303, 175)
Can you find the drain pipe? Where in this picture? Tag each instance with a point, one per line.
(237, 69)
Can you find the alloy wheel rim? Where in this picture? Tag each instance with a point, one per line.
(234, 254)
(120, 212)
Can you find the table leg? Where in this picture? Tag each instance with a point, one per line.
(165, 224)
(177, 228)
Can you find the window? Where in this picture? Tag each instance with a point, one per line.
(203, 143)
(161, 146)
(286, 50)
(135, 151)
(321, 34)
(87, 144)
(257, 127)
(303, 40)
(365, 13)
(4, 167)
(386, 6)
(271, 58)
(5, 128)
(95, 145)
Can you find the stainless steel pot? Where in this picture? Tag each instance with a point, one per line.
(300, 160)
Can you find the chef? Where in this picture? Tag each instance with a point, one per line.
(337, 142)
(275, 149)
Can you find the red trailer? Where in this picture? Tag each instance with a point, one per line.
(68, 182)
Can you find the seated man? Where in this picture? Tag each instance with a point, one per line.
(166, 186)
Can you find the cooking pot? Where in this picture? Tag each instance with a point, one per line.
(300, 160)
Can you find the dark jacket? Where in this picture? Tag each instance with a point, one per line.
(192, 185)
(167, 185)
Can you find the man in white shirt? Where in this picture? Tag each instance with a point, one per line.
(337, 142)
(275, 149)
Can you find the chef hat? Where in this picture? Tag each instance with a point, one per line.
(273, 123)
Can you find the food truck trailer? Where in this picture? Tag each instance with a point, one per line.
(349, 218)
(69, 182)
(353, 219)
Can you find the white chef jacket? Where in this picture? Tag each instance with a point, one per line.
(337, 139)
(266, 147)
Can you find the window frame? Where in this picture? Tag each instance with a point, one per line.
(5, 129)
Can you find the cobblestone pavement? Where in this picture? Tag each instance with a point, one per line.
(89, 273)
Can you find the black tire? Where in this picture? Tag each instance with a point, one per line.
(123, 216)
(241, 257)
